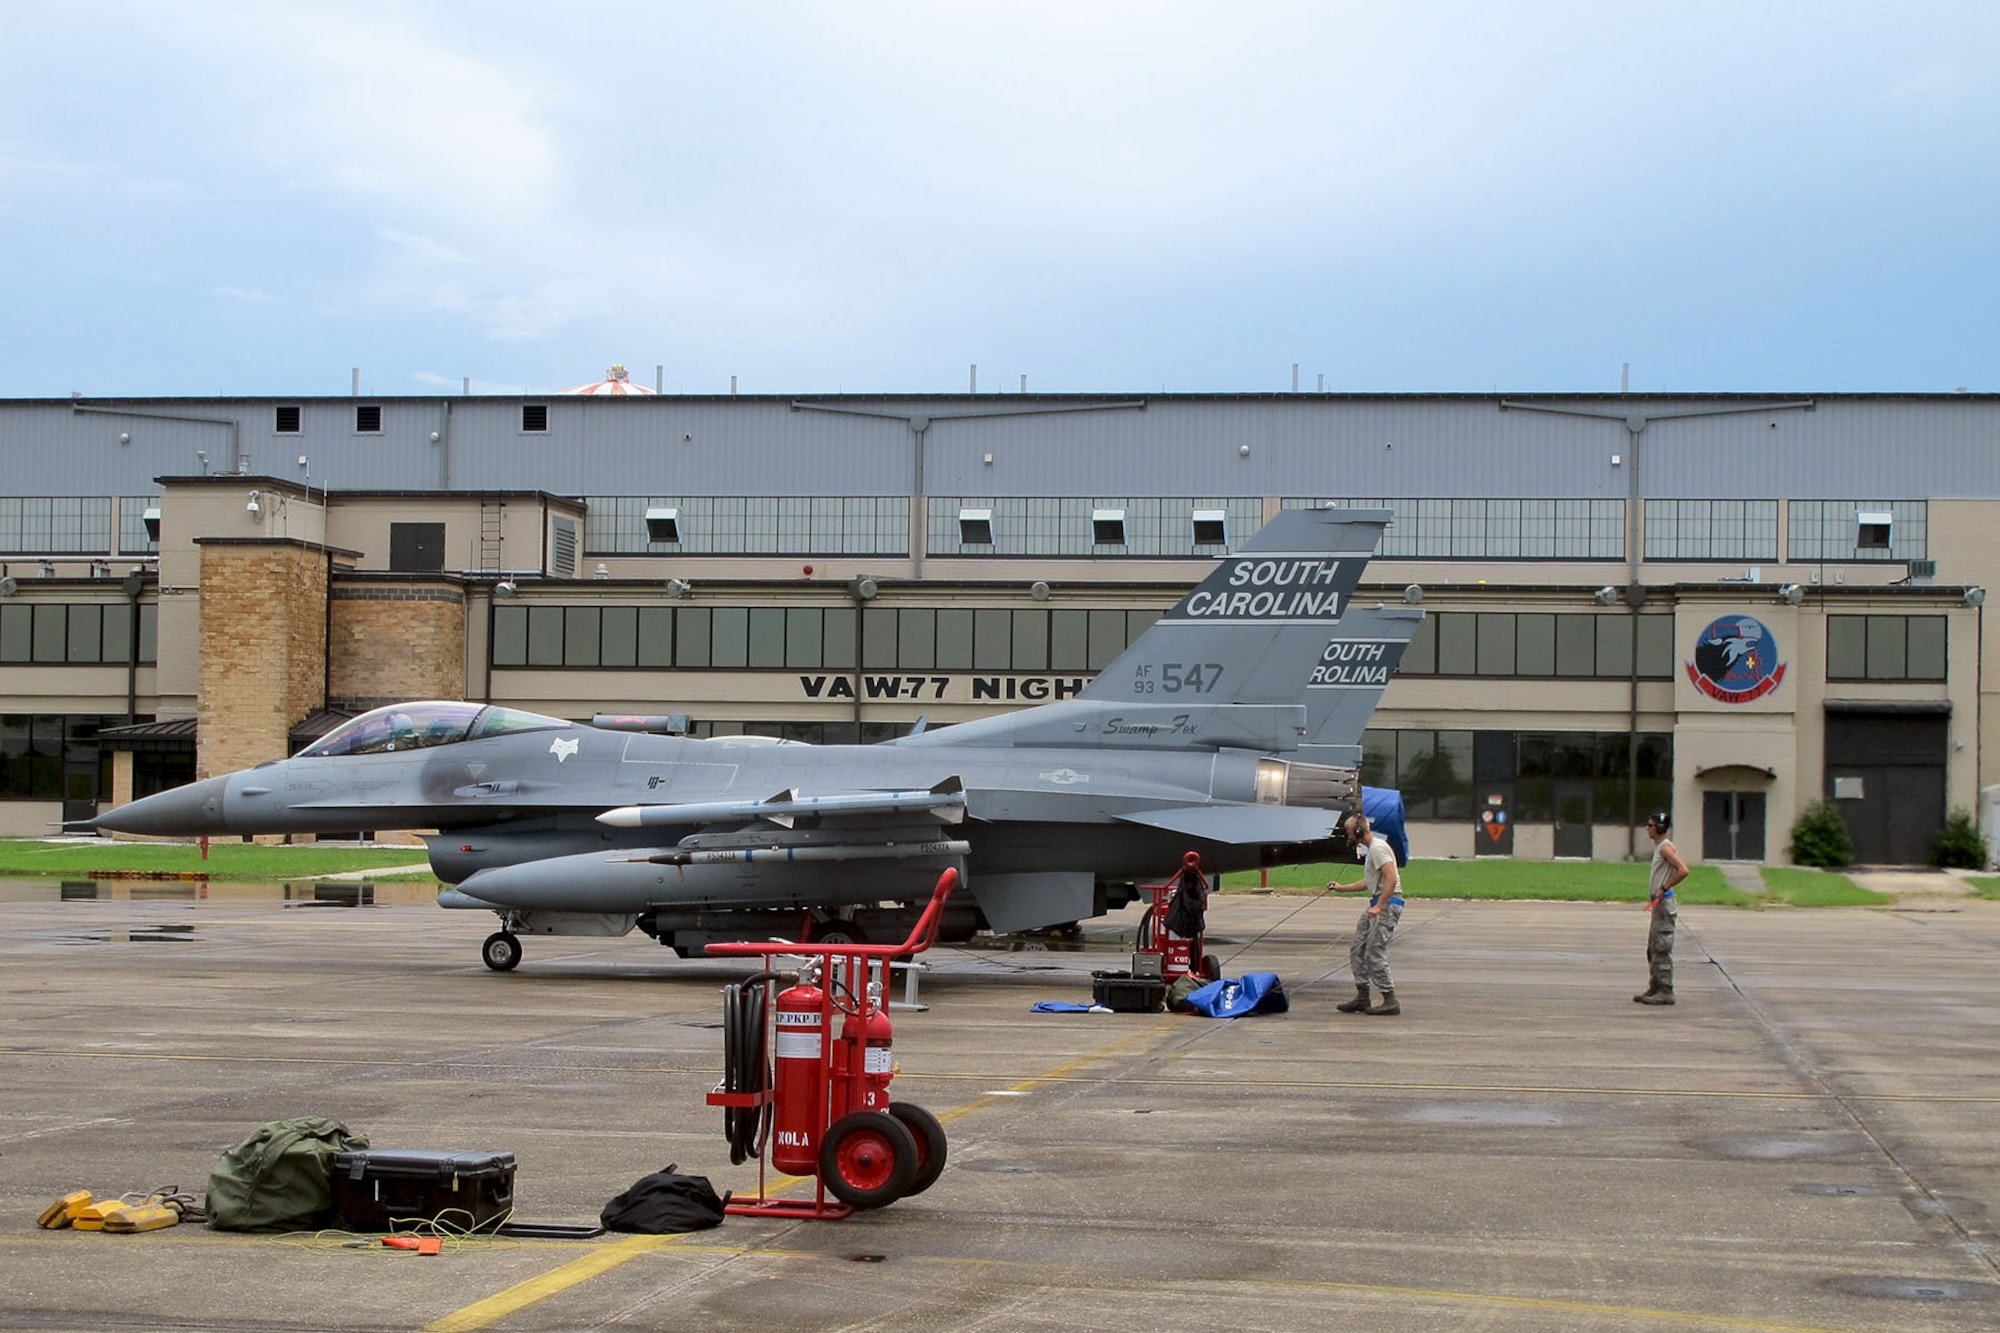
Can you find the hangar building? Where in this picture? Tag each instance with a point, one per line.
(1725, 605)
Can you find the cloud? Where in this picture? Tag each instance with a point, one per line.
(430, 379)
(422, 249)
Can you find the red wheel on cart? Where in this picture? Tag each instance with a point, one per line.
(1211, 967)
(929, 1134)
(868, 1159)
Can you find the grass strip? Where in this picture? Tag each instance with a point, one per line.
(241, 861)
(1496, 878)
(1803, 887)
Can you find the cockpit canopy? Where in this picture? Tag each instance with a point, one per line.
(420, 725)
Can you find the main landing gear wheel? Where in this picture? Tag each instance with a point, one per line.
(502, 950)
(839, 930)
(868, 1159)
(929, 1134)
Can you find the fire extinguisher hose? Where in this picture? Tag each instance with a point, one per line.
(746, 1063)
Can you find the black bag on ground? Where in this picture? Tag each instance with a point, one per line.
(1187, 906)
(279, 1177)
(664, 1202)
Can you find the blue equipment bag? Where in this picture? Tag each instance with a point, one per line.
(1384, 809)
(1256, 993)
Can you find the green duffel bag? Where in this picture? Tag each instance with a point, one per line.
(279, 1177)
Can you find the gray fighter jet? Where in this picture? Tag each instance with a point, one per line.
(1230, 728)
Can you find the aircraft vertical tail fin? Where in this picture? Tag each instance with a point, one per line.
(1254, 630)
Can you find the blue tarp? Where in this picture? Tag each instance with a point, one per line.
(1256, 993)
(1384, 809)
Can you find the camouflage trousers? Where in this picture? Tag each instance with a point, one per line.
(1368, 955)
(1660, 948)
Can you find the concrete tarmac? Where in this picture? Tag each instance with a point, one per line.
(1805, 1142)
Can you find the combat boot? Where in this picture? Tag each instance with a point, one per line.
(1389, 1005)
(1661, 995)
(1643, 997)
(1357, 1005)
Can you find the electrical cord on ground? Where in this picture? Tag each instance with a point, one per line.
(746, 1064)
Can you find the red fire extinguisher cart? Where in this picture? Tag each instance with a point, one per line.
(1179, 955)
(806, 1077)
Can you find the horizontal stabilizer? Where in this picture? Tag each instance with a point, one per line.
(1241, 825)
(1032, 901)
(944, 802)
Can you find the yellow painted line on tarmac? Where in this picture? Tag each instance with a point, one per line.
(498, 1306)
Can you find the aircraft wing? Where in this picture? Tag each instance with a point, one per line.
(1241, 824)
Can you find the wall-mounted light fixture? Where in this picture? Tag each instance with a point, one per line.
(679, 587)
(1414, 594)
(1605, 596)
(255, 509)
(864, 588)
(506, 590)
(1791, 594)
(603, 571)
(1975, 596)
(1039, 591)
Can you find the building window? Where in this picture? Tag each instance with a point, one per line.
(1445, 775)
(1711, 529)
(367, 418)
(801, 525)
(1885, 647)
(55, 525)
(1477, 529)
(35, 746)
(534, 418)
(86, 633)
(815, 638)
(1551, 645)
(1856, 530)
(1047, 526)
(287, 421)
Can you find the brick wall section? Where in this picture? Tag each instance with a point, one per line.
(396, 641)
(263, 649)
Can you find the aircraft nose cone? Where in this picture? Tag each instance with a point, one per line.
(183, 812)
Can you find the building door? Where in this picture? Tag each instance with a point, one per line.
(1886, 773)
(1493, 831)
(1573, 819)
(79, 788)
(1732, 826)
(416, 548)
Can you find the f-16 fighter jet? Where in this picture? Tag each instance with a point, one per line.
(1231, 728)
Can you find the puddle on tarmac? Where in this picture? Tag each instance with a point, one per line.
(1917, 1289)
(1470, 1113)
(297, 893)
(1800, 1148)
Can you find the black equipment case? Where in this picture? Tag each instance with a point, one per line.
(392, 1189)
(1126, 994)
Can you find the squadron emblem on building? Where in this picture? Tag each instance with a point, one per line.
(1736, 660)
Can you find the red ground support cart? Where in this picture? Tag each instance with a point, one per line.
(814, 1093)
(1179, 955)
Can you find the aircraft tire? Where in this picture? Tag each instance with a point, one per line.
(838, 930)
(502, 951)
(868, 1159)
(931, 1148)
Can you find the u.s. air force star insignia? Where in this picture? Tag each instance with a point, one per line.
(563, 749)
(1063, 777)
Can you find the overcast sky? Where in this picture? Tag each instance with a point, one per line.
(872, 197)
